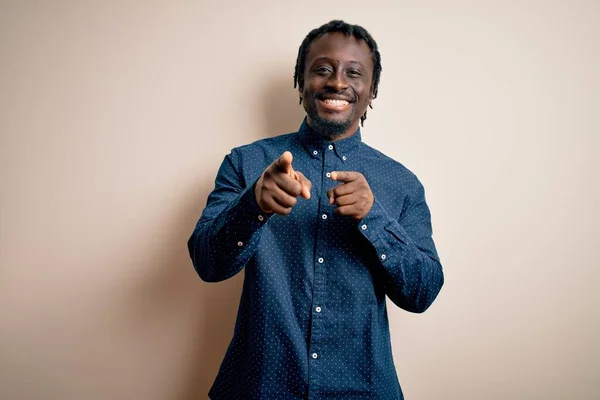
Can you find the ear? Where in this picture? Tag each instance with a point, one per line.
(300, 88)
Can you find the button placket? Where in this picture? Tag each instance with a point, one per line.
(318, 336)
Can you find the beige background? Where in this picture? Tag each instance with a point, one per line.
(115, 118)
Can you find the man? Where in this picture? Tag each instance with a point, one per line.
(325, 227)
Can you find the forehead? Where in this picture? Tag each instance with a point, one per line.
(339, 47)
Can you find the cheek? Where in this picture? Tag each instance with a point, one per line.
(363, 103)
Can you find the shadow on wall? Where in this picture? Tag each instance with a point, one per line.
(219, 302)
(282, 113)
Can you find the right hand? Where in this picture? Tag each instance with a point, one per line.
(279, 186)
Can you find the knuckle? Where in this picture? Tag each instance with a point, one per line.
(297, 189)
(267, 185)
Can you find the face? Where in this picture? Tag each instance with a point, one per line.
(337, 86)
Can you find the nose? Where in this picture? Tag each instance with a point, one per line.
(337, 81)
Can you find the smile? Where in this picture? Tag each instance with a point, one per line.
(334, 104)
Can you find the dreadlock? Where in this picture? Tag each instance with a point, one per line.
(349, 30)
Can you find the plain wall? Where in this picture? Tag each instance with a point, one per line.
(116, 115)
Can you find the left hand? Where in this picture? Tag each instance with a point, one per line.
(353, 196)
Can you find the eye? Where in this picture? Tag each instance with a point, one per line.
(322, 70)
(354, 72)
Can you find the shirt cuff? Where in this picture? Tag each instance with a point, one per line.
(386, 235)
(247, 213)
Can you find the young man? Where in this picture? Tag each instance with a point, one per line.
(325, 227)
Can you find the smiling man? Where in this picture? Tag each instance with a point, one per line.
(326, 227)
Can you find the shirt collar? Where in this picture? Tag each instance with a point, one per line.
(312, 141)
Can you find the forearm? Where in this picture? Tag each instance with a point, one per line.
(412, 272)
(222, 244)
(413, 278)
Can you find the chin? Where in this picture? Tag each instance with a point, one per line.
(335, 117)
(330, 127)
(335, 120)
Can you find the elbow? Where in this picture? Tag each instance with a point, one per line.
(428, 295)
(211, 273)
(206, 276)
(191, 244)
(199, 264)
(418, 297)
(210, 269)
(419, 307)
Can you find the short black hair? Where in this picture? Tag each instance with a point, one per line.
(350, 30)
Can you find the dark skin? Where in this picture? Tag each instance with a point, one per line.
(337, 85)
(337, 67)
(279, 186)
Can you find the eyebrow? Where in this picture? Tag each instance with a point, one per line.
(330, 60)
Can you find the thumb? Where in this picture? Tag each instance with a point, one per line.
(306, 185)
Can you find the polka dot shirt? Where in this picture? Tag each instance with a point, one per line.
(312, 321)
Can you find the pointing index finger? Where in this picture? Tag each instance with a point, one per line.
(344, 176)
(284, 163)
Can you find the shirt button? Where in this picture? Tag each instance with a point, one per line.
(344, 158)
(261, 218)
(315, 152)
(240, 244)
(383, 256)
(321, 260)
(363, 227)
(330, 147)
(315, 355)
(328, 174)
(318, 309)
(324, 216)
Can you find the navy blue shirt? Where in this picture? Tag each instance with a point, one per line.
(312, 320)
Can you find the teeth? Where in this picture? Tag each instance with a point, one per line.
(336, 102)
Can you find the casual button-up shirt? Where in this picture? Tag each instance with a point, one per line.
(312, 320)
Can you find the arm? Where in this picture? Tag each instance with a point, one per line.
(406, 252)
(405, 249)
(227, 234)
